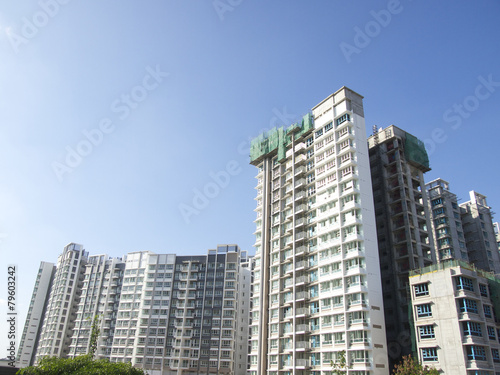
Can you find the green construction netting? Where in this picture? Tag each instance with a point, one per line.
(279, 139)
(415, 151)
(495, 295)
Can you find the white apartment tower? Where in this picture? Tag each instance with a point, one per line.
(480, 234)
(100, 297)
(449, 239)
(34, 319)
(317, 293)
(61, 307)
(167, 314)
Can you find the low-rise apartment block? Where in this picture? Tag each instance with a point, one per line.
(455, 311)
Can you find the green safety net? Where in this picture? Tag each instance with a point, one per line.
(494, 284)
(415, 151)
(278, 139)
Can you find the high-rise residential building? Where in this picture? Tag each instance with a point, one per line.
(454, 306)
(496, 228)
(449, 239)
(165, 313)
(61, 307)
(100, 298)
(317, 295)
(398, 162)
(35, 316)
(480, 237)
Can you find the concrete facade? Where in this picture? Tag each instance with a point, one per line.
(480, 234)
(449, 239)
(34, 319)
(405, 242)
(454, 307)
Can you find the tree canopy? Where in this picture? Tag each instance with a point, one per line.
(81, 365)
(410, 366)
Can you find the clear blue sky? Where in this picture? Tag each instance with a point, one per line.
(233, 70)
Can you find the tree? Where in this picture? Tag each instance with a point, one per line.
(340, 364)
(81, 365)
(410, 366)
(94, 335)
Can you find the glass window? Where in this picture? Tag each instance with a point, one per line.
(467, 305)
(495, 355)
(472, 329)
(437, 201)
(487, 311)
(491, 333)
(421, 289)
(476, 352)
(429, 355)
(464, 283)
(424, 310)
(343, 119)
(426, 332)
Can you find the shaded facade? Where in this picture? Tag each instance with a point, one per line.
(480, 237)
(446, 222)
(36, 313)
(398, 162)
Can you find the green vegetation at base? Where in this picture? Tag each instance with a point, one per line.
(410, 366)
(81, 365)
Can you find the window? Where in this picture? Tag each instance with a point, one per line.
(495, 355)
(319, 133)
(487, 311)
(437, 201)
(483, 289)
(424, 310)
(421, 290)
(438, 211)
(429, 355)
(472, 329)
(491, 333)
(464, 283)
(343, 119)
(475, 353)
(467, 305)
(328, 127)
(426, 332)
(441, 220)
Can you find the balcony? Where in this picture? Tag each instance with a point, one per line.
(302, 363)
(301, 296)
(302, 328)
(299, 171)
(300, 159)
(302, 345)
(300, 183)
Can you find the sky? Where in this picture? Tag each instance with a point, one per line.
(125, 125)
